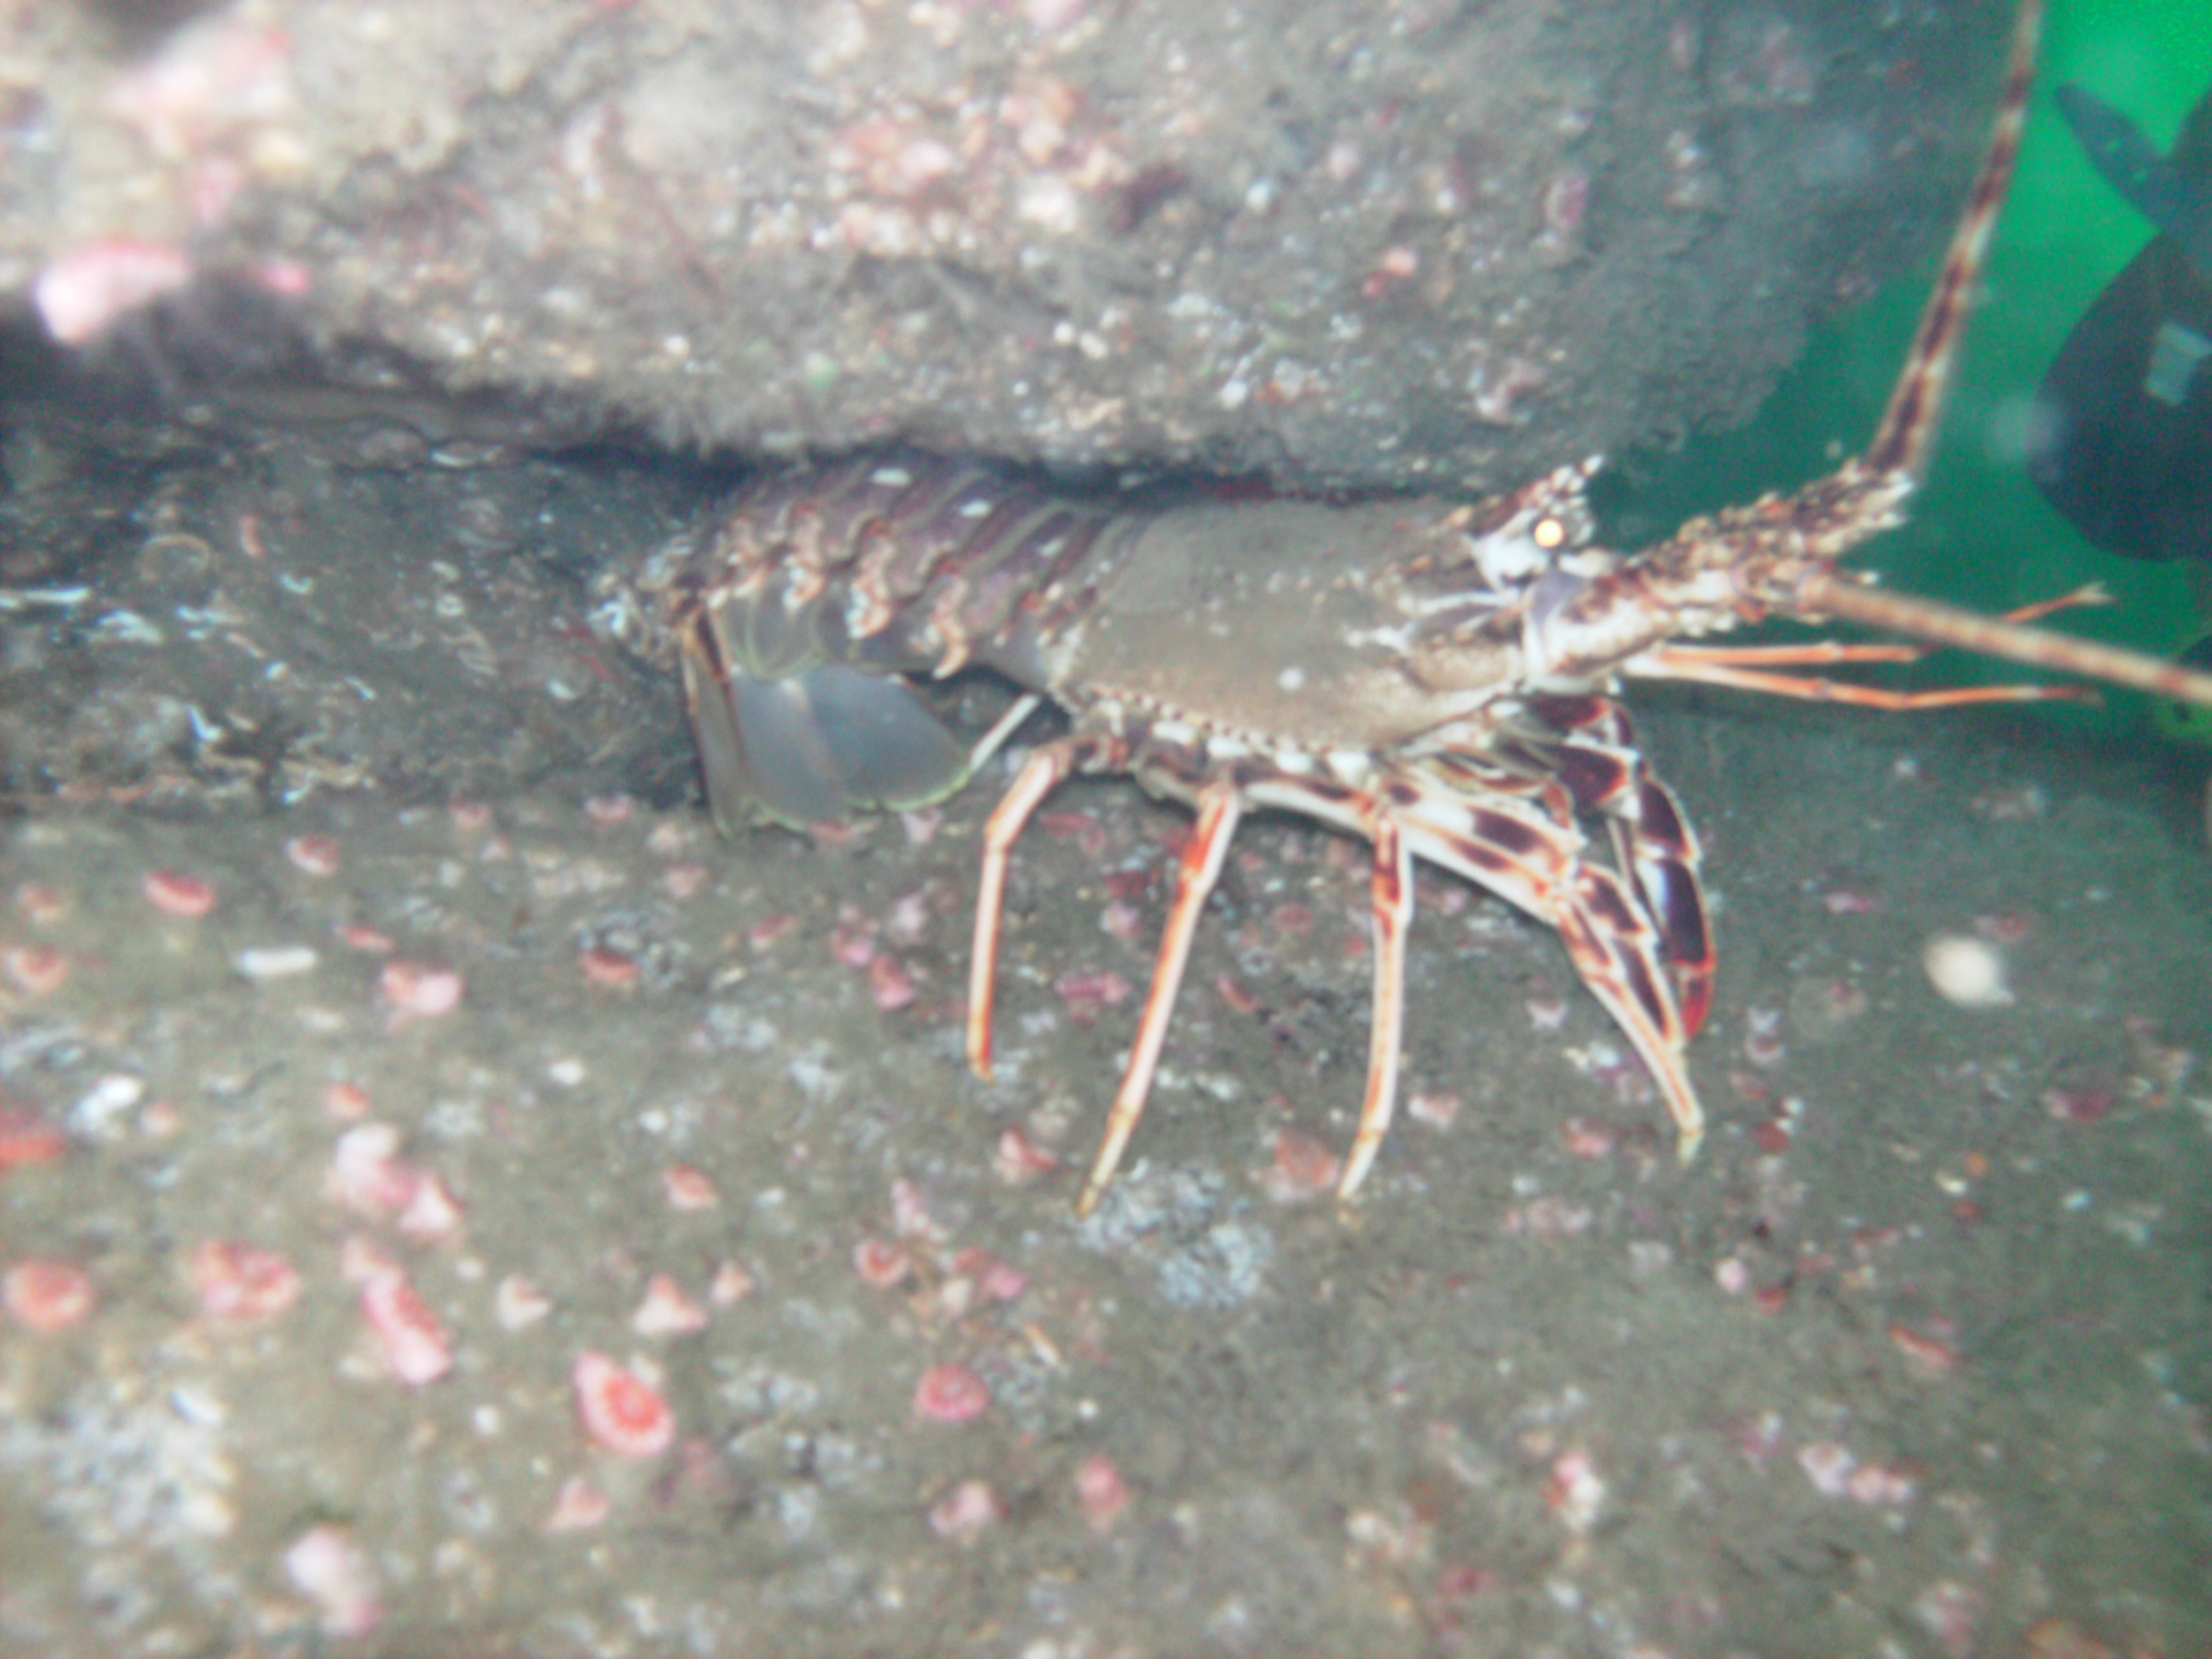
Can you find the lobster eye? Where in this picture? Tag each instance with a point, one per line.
(1547, 533)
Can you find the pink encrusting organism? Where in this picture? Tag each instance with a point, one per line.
(619, 1409)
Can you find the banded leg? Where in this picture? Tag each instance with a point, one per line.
(1619, 955)
(1393, 910)
(1613, 939)
(1511, 834)
(1654, 846)
(1508, 835)
(1219, 806)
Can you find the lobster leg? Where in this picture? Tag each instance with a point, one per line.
(1219, 806)
(1464, 815)
(1049, 766)
(1655, 849)
(1612, 947)
(1612, 938)
(1393, 910)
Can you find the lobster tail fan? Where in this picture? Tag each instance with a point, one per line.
(811, 747)
(889, 750)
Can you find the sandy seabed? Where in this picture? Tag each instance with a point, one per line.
(1915, 1359)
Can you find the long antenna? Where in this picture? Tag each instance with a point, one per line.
(1909, 426)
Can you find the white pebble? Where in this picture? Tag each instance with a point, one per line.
(325, 1564)
(99, 1114)
(1966, 971)
(274, 962)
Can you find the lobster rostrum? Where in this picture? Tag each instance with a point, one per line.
(1442, 680)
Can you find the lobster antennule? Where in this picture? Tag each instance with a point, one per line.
(1832, 595)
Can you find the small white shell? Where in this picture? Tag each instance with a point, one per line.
(274, 962)
(1965, 970)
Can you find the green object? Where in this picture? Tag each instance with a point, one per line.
(2164, 190)
(1981, 534)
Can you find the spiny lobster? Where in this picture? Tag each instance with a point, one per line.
(1439, 679)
